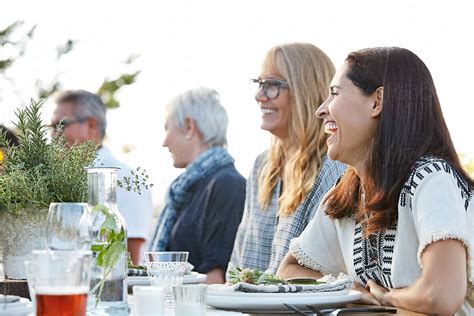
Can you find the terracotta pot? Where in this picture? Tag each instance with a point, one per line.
(19, 235)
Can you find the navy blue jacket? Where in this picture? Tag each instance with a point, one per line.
(206, 227)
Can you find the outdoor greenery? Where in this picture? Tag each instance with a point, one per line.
(38, 172)
(14, 41)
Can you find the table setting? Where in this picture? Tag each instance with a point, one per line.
(138, 275)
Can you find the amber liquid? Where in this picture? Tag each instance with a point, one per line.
(61, 304)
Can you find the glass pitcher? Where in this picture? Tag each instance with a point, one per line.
(109, 246)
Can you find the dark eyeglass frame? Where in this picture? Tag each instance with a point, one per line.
(265, 84)
(61, 124)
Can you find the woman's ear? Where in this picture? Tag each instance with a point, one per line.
(378, 104)
(191, 128)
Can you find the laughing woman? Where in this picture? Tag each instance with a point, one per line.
(289, 180)
(400, 221)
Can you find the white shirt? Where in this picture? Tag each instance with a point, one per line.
(135, 208)
(435, 204)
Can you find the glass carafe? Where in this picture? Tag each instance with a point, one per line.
(109, 279)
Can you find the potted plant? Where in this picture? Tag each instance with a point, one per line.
(35, 174)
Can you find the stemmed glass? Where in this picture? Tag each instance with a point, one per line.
(69, 226)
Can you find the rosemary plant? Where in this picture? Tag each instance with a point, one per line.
(38, 172)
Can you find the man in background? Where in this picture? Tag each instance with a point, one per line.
(82, 117)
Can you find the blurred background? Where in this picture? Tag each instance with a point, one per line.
(140, 54)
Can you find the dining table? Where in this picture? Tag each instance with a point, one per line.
(211, 311)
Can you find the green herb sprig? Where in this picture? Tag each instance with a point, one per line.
(236, 274)
(137, 180)
(110, 251)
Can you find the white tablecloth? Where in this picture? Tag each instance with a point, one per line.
(170, 311)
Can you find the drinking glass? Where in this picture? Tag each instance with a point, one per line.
(149, 300)
(190, 299)
(59, 281)
(68, 226)
(166, 269)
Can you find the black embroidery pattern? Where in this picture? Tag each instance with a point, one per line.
(425, 166)
(373, 256)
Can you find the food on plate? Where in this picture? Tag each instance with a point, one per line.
(252, 276)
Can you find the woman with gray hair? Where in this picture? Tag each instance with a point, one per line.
(204, 204)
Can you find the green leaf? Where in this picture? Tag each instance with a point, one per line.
(97, 247)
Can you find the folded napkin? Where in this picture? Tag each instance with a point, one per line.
(143, 272)
(137, 272)
(330, 284)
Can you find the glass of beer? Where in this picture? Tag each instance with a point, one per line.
(60, 281)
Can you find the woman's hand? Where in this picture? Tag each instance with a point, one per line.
(367, 296)
(378, 292)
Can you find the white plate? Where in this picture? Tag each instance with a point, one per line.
(191, 278)
(220, 297)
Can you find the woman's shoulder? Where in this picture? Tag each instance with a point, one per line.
(434, 167)
(227, 175)
(261, 159)
(428, 165)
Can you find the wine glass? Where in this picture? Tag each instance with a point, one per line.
(68, 226)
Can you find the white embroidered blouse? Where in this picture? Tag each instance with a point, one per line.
(435, 204)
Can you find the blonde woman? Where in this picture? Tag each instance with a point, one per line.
(288, 181)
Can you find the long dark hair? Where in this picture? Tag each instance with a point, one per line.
(411, 125)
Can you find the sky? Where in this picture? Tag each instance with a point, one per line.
(221, 44)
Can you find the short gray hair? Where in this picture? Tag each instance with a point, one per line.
(87, 104)
(204, 107)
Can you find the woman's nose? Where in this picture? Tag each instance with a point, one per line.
(260, 95)
(322, 110)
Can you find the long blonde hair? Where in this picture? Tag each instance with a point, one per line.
(308, 71)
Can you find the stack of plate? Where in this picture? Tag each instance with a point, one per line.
(14, 305)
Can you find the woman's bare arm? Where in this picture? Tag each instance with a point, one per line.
(441, 289)
(290, 268)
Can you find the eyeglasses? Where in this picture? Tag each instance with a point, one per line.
(271, 87)
(61, 124)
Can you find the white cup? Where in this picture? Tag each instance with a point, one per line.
(149, 300)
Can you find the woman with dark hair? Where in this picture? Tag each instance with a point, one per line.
(400, 221)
